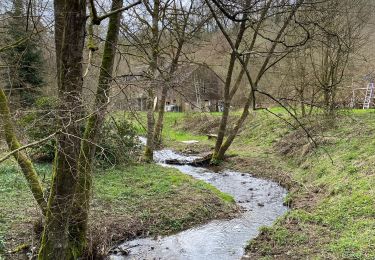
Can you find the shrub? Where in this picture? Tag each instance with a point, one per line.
(119, 143)
(39, 124)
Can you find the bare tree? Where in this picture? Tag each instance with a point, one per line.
(160, 32)
(184, 23)
(298, 90)
(264, 36)
(338, 35)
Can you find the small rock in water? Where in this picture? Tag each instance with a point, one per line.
(251, 189)
(152, 248)
(242, 174)
(260, 204)
(119, 251)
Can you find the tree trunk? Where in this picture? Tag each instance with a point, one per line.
(303, 108)
(22, 159)
(302, 101)
(228, 95)
(149, 150)
(70, 21)
(78, 225)
(234, 132)
(327, 100)
(159, 123)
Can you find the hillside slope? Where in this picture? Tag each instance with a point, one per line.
(332, 186)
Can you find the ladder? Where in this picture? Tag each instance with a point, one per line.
(369, 96)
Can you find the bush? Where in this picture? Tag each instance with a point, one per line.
(39, 124)
(119, 143)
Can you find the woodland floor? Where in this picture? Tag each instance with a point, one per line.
(137, 200)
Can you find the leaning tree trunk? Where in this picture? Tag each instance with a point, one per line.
(70, 21)
(228, 94)
(78, 225)
(245, 113)
(22, 159)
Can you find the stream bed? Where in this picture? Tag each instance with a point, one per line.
(262, 203)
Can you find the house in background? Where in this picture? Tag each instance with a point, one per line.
(195, 88)
(192, 88)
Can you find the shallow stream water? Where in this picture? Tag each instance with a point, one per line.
(262, 201)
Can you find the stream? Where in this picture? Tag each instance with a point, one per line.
(262, 203)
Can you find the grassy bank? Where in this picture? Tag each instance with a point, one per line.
(130, 201)
(333, 198)
(173, 133)
(332, 187)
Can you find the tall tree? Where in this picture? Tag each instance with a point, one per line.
(24, 61)
(82, 150)
(162, 29)
(338, 36)
(184, 23)
(70, 23)
(64, 234)
(260, 34)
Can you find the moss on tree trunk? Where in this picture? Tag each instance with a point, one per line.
(57, 242)
(92, 129)
(23, 160)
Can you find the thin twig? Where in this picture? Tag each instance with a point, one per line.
(27, 146)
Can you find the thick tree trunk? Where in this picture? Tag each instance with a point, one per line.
(78, 225)
(70, 21)
(22, 159)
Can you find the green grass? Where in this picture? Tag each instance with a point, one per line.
(15, 196)
(165, 200)
(344, 207)
(170, 132)
(335, 217)
(142, 199)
